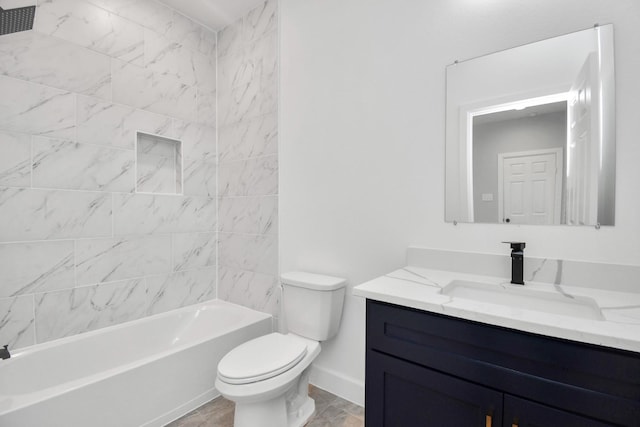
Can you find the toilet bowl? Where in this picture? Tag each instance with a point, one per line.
(268, 377)
(273, 390)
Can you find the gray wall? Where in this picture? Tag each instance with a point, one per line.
(509, 136)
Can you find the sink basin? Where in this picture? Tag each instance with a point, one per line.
(517, 296)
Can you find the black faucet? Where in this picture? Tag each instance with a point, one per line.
(4, 352)
(517, 262)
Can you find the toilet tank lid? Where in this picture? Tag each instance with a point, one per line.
(318, 282)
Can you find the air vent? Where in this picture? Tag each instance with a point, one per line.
(16, 20)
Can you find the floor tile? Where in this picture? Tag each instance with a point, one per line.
(331, 411)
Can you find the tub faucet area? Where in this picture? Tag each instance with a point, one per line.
(517, 262)
(4, 352)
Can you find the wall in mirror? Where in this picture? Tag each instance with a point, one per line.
(531, 133)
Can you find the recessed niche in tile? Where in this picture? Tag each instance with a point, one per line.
(158, 164)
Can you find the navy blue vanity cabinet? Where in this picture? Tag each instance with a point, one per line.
(401, 394)
(425, 369)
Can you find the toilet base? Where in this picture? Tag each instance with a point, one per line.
(304, 414)
(273, 413)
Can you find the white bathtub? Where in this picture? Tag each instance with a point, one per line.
(142, 373)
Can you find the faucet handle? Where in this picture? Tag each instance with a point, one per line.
(517, 246)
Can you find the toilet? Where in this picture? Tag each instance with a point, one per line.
(268, 377)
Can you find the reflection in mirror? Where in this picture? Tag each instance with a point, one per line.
(530, 133)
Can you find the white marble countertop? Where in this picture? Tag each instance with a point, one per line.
(420, 288)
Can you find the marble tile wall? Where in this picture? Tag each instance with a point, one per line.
(79, 248)
(248, 160)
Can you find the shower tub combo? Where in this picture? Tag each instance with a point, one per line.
(142, 373)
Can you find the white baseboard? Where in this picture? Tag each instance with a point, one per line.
(334, 382)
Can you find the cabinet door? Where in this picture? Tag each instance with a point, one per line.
(524, 413)
(401, 394)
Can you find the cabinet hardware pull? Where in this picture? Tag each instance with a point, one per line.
(488, 421)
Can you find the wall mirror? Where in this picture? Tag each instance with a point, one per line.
(530, 133)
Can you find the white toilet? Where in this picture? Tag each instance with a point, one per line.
(268, 377)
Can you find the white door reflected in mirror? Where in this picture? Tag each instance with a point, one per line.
(530, 190)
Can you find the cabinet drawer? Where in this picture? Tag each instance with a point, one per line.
(583, 378)
(523, 413)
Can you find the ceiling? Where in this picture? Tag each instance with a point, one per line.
(532, 111)
(214, 14)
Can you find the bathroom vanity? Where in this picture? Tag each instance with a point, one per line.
(434, 370)
(436, 356)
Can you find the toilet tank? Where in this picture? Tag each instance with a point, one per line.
(312, 304)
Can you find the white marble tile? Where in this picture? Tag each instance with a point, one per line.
(31, 108)
(27, 214)
(148, 13)
(120, 302)
(166, 57)
(105, 123)
(191, 34)
(69, 312)
(181, 289)
(246, 102)
(197, 140)
(253, 215)
(111, 259)
(159, 165)
(253, 177)
(253, 62)
(159, 93)
(247, 83)
(144, 213)
(235, 70)
(179, 175)
(131, 84)
(254, 290)
(11, 4)
(250, 252)
(249, 138)
(92, 27)
(261, 20)
(208, 42)
(173, 98)
(16, 322)
(194, 250)
(230, 38)
(204, 69)
(38, 58)
(15, 159)
(264, 53)
(207, 108)
(63, 164)
(27, 268)
(200, 177)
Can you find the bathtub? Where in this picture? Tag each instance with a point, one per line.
(142, 373)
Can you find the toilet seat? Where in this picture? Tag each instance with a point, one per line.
(261, 358)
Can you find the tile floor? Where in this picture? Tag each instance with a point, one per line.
(331, 411)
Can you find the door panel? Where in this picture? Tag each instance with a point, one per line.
(583, 149)
(531, 187)
(401, 394)
(524, 413)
